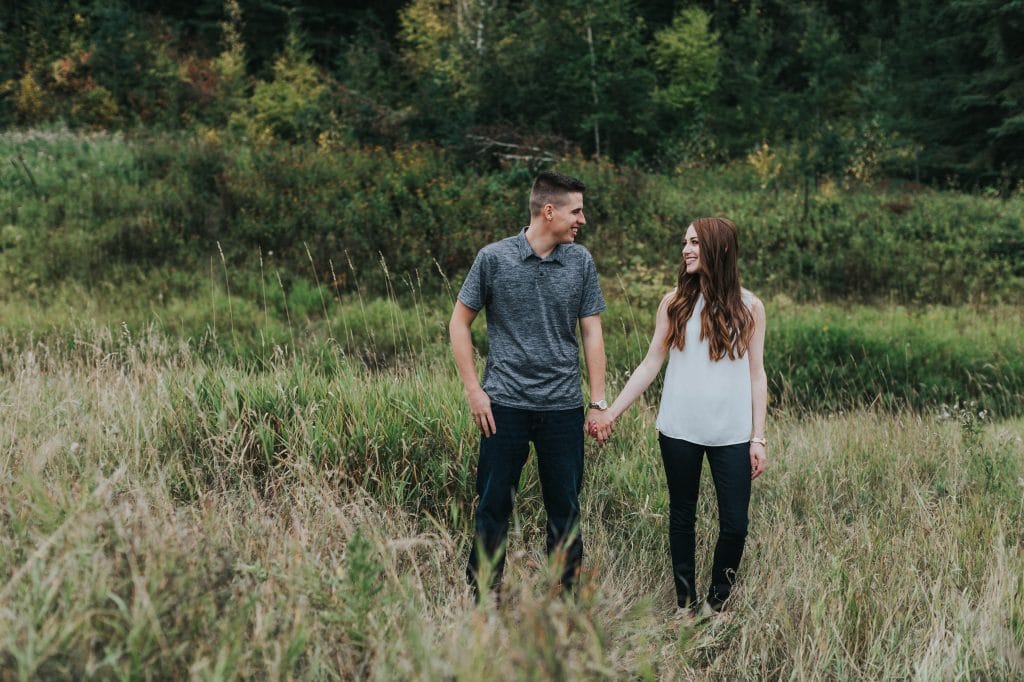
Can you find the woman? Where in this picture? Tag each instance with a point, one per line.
(714, 401)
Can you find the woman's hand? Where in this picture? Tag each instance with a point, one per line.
(758, 459)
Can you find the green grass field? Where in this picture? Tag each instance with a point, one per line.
(233, 443)
(172, 508)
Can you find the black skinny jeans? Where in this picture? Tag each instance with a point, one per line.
(730, 468)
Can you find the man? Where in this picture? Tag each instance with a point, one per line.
(536, 287)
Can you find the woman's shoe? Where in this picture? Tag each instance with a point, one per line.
(684, 615)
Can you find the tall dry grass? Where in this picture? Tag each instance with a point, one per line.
(165, 514)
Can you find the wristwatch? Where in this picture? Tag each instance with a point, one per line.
(599, 404)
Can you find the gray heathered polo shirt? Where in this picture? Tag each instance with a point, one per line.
(532, 308)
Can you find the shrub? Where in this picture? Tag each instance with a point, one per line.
(293, 107)
(387, 221)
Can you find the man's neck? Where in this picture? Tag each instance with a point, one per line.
(540, 240)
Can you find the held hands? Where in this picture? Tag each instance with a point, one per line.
(480, 408)
(600, 425)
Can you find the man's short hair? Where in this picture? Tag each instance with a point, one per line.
(550, 188)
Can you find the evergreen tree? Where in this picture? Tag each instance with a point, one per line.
(974, 68)
(578, 70)
(686, 55)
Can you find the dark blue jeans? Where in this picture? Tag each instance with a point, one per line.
(730, 468)
(557, 436)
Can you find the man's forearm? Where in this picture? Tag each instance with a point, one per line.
(595, 373)
(593, 349)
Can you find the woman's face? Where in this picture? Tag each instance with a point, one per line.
(691, 251)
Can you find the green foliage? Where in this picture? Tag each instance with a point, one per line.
(356, 217)
(686, 53)
(745, 103)
(963, 87)
(663, 86)
(367, 434)
(608, 70)
(829, 359)
(293, 106)
(456, 51)
(372, 97)
(352, 205)
(891, 243)
(217, 87)
(101, 202)
(686, 57)
(818, 358)
(134, 59)
(442, 44)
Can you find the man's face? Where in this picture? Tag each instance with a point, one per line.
(565, 220)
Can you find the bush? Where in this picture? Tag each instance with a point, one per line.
(830, 358)
(386, 222)
(293, 107)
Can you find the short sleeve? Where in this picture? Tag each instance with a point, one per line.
(592, 301)
(473, 293)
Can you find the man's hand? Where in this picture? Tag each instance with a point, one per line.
(600, 425)
(462, 349)
(480, 408)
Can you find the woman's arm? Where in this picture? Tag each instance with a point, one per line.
(645, 372)
(758, 391)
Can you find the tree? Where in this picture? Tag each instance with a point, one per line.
(294, 106)
(756, 53)
(577, 70)
(446, 45)
(965, 86)
(686, 57)
(229, 67)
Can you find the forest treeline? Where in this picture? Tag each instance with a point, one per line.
(851, 91)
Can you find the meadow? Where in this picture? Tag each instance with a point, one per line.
(173, 509)
(221, 462)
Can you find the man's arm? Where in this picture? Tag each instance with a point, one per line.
(593, 350)
(462, 349)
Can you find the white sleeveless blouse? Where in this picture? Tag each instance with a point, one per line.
(704, 401)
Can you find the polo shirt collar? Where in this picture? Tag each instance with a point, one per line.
(525, 250)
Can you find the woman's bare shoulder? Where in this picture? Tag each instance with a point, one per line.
(751, 299)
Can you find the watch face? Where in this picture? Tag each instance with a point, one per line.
(600, 404)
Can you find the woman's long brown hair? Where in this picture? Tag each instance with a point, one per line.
(725, 322)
